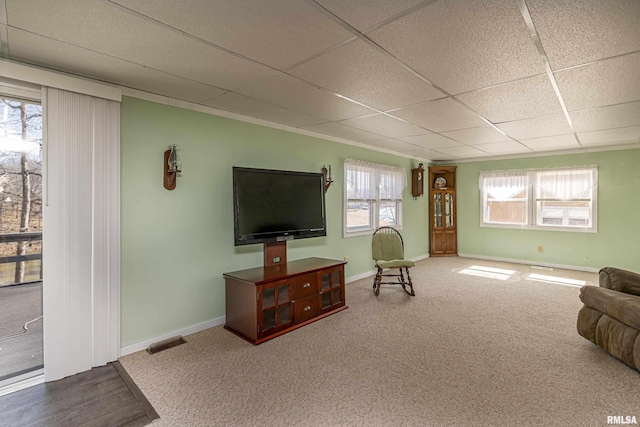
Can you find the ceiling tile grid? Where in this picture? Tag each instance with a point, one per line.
(537, 127)
(620, 136)
(290, 92)
(548, 143)
(577, 32)
(30, 48)
(607, 82)
(521, 99)
(462, 45)
(609, 117)
(276, 33)
(439, 80)
(431, 140)
(342, 131)
(363, 14)
(385, 125)
(363, 73)
(101, 28)
(440, 115)
(479, 135)
(256, 108)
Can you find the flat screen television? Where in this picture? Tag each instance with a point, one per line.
(277, 205)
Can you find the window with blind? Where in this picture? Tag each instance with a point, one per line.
(373, 196)
(562, 199)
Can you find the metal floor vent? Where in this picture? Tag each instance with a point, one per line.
(166, 344)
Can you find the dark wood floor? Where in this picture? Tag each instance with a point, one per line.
(103, 396)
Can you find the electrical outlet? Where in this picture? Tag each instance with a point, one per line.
(540, 248)
(346, 258)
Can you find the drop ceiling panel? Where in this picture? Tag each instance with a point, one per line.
(252, 107)
(341, 131)
(479, 135)
(547, 143)
(276, 33)
(431, 140)
(423, 153)
(629, 135)
(105, 29)
(363, 73)
(522, 99)
(393, 144)
(537, 127)
(49, 53)
(576, 32)
(382, 124)
(608, 82)
(295, 94)
(462, 45)
(440, 115)
(462, 152)
(506, 147)
(362, 14)
(614, 116)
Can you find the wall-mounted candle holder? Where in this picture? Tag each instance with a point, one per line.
(328, 179)
(172, 166)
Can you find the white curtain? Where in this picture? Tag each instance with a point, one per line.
(503, 186)
(364, 179)
(361, 180)
(565, 184)
(81, 232)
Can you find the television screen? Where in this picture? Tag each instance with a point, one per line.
(276, 205)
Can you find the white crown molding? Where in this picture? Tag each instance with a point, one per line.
(45, 77)
(160, 99)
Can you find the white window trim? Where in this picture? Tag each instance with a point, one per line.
(532, 207)
(375, 204)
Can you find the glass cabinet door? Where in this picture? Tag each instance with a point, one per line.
(437, 210)
(331, 288)
(276, 306)
(448, 210)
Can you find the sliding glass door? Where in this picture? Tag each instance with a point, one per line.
(21, 345)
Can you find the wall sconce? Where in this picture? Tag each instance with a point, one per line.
(328, 179)
(171, 167)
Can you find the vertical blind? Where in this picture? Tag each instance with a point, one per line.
(81, 223)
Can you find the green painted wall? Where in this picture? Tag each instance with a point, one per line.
(177, 244)
(616, 243)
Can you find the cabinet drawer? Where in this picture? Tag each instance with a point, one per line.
(307, 308)
(306, 285)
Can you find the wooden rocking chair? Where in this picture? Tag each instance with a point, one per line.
(387, 248)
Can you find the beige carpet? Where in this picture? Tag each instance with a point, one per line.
(467, 350)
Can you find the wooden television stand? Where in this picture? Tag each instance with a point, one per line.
(265, 302)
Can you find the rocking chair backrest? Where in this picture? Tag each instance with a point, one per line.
(387, 244)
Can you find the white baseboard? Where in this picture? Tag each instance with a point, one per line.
(143, 345)
(420, 258)
(360, 276)
(373, 272)
(529, 262)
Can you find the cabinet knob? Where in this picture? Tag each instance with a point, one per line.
(307, 308)
(306, 285)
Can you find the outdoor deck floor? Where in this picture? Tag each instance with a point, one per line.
(20, 351)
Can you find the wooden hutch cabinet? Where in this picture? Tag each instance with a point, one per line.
(442, 211)
(265, 302)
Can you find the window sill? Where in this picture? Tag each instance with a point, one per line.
(593, 230)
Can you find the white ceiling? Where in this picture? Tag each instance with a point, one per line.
(441, 80)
